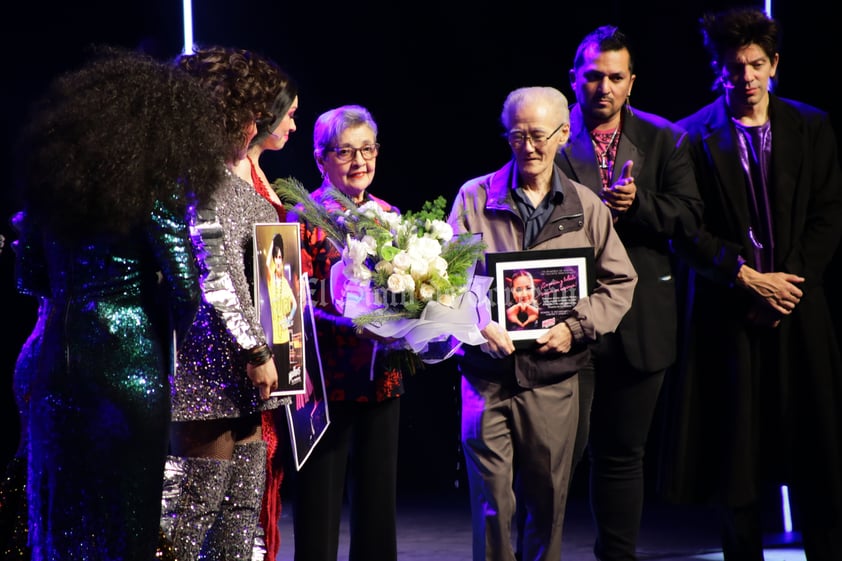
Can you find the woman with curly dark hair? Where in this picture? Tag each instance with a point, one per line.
(215, 475)
(112, 157)
(274, 127)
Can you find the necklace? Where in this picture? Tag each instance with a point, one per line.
(603, 144)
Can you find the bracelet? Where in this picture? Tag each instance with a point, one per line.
(259, 355)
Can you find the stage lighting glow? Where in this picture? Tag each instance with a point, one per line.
(768, 555)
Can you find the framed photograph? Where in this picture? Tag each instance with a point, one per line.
(277, 285)
(535, 290)
(307, 414)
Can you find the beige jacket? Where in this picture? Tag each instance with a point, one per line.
(485, 205)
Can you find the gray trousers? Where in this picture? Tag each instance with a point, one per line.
(518, 446)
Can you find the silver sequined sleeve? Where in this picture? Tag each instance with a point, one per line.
(231, 301)
(211, 380)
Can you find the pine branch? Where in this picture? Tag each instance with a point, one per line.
(292, 192)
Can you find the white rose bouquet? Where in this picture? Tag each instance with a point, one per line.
(401, 276)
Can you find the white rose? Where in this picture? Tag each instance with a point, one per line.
(419, 268)
(441, 230)
(426, 292)
(424, 248)
(402, 261)
(440, 266)
(408, 282)
(384, 266)
(396, 283)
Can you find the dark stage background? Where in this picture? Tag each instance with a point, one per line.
(434, 74)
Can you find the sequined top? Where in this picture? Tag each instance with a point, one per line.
(99, 407)
(352, 369)
(210, 380)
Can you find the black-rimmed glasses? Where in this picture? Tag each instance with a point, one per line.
(518, 138)
(346, 153)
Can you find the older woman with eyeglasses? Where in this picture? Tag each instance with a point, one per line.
(361, 386)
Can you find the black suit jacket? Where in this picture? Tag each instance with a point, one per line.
(667, 204)
(737, 378)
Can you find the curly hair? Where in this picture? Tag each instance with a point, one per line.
(245, 84)
(280, 88)
(110, 139)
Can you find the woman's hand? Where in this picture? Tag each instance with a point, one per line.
(264, 377)
(498, 343)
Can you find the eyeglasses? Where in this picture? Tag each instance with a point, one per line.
(518, 138)
(346, 154)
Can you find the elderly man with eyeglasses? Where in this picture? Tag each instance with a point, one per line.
(520, 406)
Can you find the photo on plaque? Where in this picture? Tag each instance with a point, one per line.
(535, 290)
(277, 279)
(308, 415)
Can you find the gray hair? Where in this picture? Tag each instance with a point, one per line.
(330, 125)
(540, 94)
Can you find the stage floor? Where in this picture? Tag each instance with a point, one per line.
(437, 527)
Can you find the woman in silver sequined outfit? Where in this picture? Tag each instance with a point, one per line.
(215, 476)
(107, 158)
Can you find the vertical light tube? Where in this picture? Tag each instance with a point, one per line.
(787, 512)
(187, 14)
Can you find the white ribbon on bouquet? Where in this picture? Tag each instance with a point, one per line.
(434, 336)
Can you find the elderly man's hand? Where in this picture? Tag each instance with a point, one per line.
(559, 339)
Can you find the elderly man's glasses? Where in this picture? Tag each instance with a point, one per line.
(346, 153)
(518, 138)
